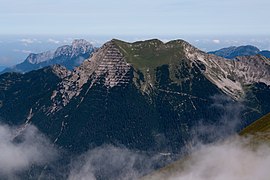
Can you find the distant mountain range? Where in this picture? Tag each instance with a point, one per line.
(69, 56)
(233, 51)
(147, 96)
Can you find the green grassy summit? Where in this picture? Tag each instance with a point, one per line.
(147, 56)
(151, 53)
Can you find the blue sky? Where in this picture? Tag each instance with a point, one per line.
(135, 17)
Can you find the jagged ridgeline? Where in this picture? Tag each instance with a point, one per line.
(146, 95)
(69, 56)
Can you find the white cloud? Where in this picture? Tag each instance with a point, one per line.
(22, 51)
(53, 41)
(67, 41)
(233, 159)
(216, 41)
(110, 162)
(19, 151)
(27, 41)
(26, 51)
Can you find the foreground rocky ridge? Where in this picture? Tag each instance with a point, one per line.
(148, 95)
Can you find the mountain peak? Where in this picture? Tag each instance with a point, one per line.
(147, 56)
(80, 46)
(178, 41)
(69, 56)
(234, 51)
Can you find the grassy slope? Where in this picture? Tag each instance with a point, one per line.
(260, 130)
(260, 126)
(146, 56)
(151, 53)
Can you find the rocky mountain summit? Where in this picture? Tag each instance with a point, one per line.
(147, 96)
(69, 56)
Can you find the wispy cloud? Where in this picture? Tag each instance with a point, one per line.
(22, 51)
(20, 152)
(110, 162)
(216, 41)
(28, 41)
(231, 159)
(53, 41)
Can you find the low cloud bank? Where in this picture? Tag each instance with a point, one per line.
(19, 151)
(234, 159)
(110, 162)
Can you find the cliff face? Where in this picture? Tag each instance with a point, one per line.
(107, 66)
(144, 95)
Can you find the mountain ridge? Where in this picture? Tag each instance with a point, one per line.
(234, 51)
(69, 56)
(197, 56)
(154, 93)
(229, 76)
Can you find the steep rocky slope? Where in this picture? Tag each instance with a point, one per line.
(69, 56)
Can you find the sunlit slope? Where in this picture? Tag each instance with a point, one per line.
(260, 129)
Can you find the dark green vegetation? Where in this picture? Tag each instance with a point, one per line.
(146, 56)
(160, 108)
(151, 53)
